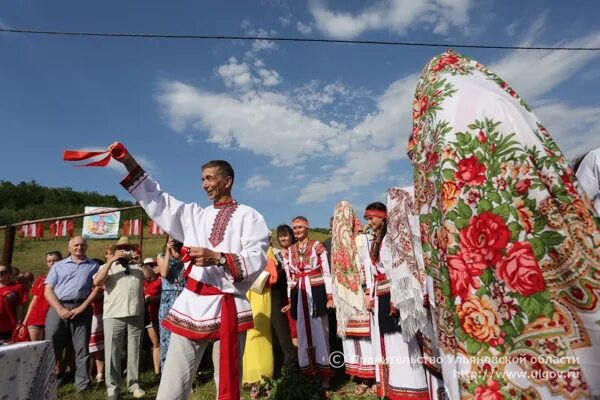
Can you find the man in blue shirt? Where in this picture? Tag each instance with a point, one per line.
(69, 291)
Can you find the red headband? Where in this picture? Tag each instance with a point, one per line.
(376, 213)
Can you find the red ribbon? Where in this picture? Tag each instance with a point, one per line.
(229, 374)
(117, 151)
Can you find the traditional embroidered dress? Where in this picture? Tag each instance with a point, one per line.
(511, 245)
(349, 287)
(214, 300)
(309, 288)
(399, 375)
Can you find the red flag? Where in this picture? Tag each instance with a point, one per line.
(131, 227)
(70, 227)
(154, 229)
(39, 230)
(126, 228)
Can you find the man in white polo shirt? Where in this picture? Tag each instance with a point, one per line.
(123, 282)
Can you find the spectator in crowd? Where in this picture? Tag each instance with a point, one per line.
(26, 279)
(285, 238)
(123, 283)
(12, 298)
(152, 289)
(97, 332)
(69, 291)
(35, 319)
(171, 271)
(258, 351)
(280, 321)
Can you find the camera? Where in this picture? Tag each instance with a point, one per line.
(128, 254)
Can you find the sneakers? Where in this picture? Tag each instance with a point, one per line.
(137, 391)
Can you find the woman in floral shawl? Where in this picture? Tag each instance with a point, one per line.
(350, 294)
(509, 239)
(399, 374)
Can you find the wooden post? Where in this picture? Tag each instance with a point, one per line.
(9, 243)
(141, 232)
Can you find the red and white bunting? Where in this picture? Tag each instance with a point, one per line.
(131, 227)
(32, 231)
(154, 229)
(61, 228)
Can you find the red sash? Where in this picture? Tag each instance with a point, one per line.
(380, 277)
(117, 151)
(229, 374)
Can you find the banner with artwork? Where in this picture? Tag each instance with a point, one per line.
(101, 226)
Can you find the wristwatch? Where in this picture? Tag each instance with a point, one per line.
(222, 260)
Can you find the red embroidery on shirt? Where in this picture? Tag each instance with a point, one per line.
(220, 225)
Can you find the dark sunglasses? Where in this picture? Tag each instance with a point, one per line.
(3, 272)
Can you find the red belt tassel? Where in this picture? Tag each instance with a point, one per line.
(229, 374)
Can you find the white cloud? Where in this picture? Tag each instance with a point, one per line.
(511, 29)
(269, 77)
(285, 20)
(292, 129)
(396, 16)
(263, 122)
(257, 183)
(575, 129)
(304, 29)
(535, 74)
(245, 24)
(235, 74)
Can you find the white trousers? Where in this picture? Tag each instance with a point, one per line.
(183, 358)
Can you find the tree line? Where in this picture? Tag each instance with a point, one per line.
(28, 201)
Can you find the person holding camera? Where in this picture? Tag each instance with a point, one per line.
(171, 271)
(123, 282)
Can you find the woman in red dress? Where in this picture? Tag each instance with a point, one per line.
(35, 319)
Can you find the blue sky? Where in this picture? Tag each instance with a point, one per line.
(304, 125)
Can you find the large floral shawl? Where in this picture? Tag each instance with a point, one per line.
(509, 239)
(407, 280)
(346, 268)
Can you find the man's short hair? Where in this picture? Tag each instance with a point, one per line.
(301, 218)
(224, 168)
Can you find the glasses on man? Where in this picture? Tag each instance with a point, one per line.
(3, 272)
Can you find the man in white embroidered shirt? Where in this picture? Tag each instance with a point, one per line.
(226, 246)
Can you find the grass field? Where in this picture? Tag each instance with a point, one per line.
(342, 389)
(29, 255)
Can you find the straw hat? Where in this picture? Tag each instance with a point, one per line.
(149, 261)
(124, 243)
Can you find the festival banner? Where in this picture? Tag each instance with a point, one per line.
(101, 226)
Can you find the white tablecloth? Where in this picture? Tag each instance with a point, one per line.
(27, 371)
